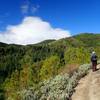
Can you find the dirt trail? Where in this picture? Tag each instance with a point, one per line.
(88, 87)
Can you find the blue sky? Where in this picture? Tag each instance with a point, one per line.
(76, 16)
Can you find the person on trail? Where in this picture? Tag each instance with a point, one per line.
(94, 61)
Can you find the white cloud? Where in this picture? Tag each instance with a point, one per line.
(27, 7)
(32, 30)
(24, 8)
(34, 8)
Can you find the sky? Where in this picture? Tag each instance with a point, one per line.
(32, 21)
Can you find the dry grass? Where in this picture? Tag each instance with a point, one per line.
(69, 68)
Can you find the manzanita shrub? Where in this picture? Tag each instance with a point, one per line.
(59, 88)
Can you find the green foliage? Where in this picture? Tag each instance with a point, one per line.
(60, 87)
(77, 55)
(2, 96)
(34, 71)
(49, 67)
(25, 66)
(89, 39)
(9, 60)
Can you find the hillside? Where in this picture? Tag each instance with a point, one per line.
(22, 67)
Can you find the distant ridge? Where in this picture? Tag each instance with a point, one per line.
(86, 39)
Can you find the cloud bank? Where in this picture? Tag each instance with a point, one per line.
(30, 31)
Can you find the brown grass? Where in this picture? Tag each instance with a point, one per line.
(69, 68)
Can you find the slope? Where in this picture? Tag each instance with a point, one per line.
(25, 66)
(88, 87)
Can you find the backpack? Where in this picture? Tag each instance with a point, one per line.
(94, 58)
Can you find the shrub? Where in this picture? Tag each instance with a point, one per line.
(59, 88)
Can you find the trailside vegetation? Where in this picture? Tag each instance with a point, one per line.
(22, 67)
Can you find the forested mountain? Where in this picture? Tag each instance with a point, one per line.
(26, 66)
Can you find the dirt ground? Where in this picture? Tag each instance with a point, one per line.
(88, 87)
